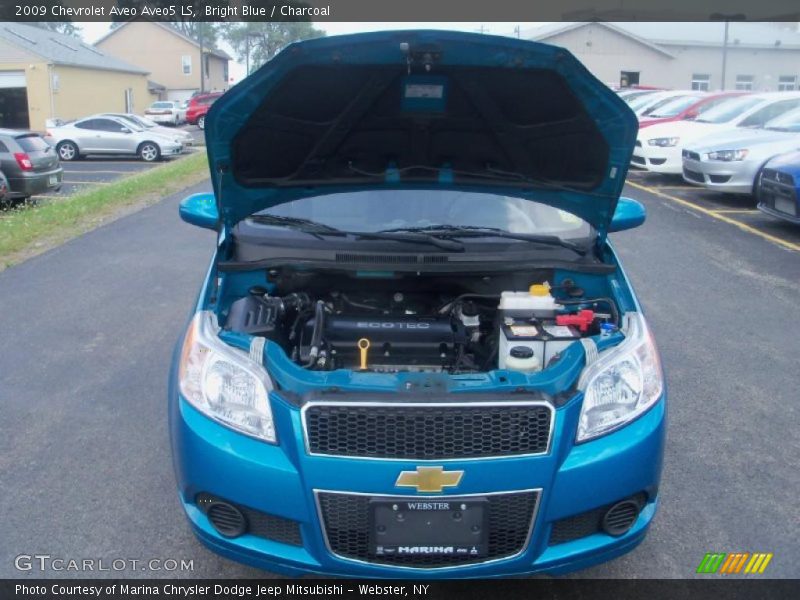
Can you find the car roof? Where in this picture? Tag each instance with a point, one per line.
(16, 132)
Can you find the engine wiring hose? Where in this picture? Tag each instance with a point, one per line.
(316, 334)
(612, 307)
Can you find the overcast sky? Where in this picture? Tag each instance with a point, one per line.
(92, 31)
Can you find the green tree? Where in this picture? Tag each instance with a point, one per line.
(255, 43)
(65, 27)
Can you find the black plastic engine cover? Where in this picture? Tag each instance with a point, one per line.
(400, 339)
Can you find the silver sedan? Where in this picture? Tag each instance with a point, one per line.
(106, 135)
(731, 161)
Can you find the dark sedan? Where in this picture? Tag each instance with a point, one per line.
(30, 164)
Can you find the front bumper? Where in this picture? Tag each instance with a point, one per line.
(280, 481)
(171, 149)
(656, 158)
(735, 177)
(29, 184)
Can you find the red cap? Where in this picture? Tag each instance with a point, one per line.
(581, 319)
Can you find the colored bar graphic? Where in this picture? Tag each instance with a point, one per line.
(727, 564)
(711, 562)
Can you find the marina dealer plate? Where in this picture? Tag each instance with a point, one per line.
(428, 527)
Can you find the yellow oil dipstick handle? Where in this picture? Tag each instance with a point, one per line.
(363, 345)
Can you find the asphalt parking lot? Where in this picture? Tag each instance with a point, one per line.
(88, 330)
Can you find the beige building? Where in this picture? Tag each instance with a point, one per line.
(45, 75)
(759, 57)
(172, 59)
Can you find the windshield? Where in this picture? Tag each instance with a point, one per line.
(629, 97)
(133, 120)
(130, 123)
(789, 121)
(673, 107)
(162, 105)
(642, 101)
(380, 210)
(32, 143)
(729, 110)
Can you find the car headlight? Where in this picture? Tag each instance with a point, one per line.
(665, 142)
(622, 384)
(223, 382)
(728, 155)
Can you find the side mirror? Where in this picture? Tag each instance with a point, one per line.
(690, 116)
(200, 210)
(125, 130)
(629, 214)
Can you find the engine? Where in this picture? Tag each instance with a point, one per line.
(392, 341)
(387, 332)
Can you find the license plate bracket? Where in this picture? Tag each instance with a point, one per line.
(429, 527)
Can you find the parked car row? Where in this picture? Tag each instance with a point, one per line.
(192, 111)
(116, 134)
(732, 142)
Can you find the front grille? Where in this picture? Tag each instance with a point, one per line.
(427, 432)
(638, 160)
(719, 178)
(693, 175)
(778, 176)
(612, 518)
(345, 518)
(273, 528)
(579, 526)
(232, 520)
(691, 155)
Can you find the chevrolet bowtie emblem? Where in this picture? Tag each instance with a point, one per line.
(429, 479)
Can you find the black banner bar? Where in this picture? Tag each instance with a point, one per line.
(418, 11)
(346, 589)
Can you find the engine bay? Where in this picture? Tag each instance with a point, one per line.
(417, 323)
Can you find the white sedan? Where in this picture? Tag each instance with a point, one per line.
(166, 112)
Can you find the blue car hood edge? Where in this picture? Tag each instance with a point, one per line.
(613, 119)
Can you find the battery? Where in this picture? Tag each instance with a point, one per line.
(544, 336)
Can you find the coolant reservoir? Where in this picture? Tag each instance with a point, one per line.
(522, 359)
(537, 302)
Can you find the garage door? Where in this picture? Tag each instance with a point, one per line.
(13, 100)
(12, 79)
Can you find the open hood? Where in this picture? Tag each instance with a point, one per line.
(421, 110)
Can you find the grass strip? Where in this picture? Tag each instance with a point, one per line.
(31, 229)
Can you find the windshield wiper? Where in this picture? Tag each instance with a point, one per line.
(306, 225)
(475, 231)
(321, 229)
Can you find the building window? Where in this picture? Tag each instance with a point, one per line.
(787, 83)
(186, 64)
(744, 82)
(701, 82)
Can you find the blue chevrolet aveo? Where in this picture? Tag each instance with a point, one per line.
(415, 352)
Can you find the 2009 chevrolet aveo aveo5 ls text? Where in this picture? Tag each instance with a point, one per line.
(415, 353)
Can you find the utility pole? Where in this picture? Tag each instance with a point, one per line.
(202, 62)
(727, 18)
(725, 53)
